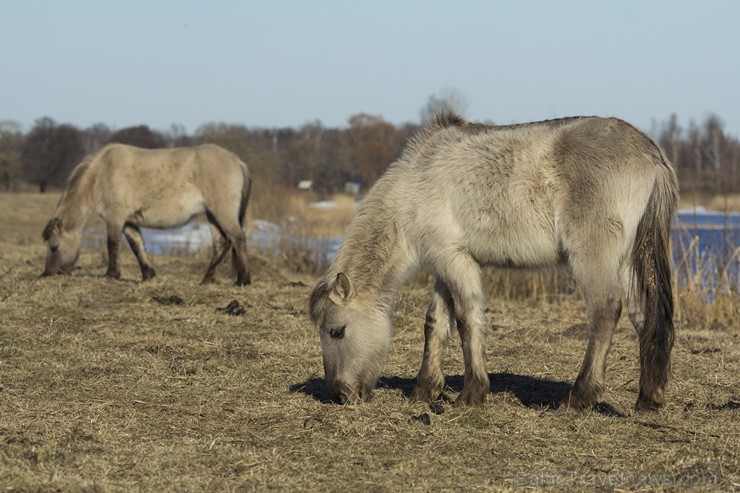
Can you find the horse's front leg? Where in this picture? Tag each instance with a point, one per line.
(438, 325)
(231, 229)
(114, 246)
(133, 236)
(463, 278)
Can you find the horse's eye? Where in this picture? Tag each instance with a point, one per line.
(337, 333)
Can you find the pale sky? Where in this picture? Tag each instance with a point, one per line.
(285, 63)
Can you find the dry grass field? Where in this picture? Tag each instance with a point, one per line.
(129, 386)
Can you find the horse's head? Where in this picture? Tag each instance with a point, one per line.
(63, 249)
(355, 339)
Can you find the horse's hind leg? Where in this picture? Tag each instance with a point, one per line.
(231, 228)
(133, 236)
(221, 245)
(438, 325)
(599, 281)
(239, 243)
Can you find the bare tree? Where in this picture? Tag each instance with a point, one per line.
(177, 136)
(447, 100)
(374, 144)
(670, 139)
(50, 152)
(95, 137)
(11, 144)
(705, 157)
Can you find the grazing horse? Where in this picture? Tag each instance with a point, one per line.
(591, 193)
(131, 187)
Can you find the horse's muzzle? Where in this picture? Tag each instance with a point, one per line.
(346, 394)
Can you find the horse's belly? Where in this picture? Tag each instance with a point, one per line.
(169, 214)
(525, 246)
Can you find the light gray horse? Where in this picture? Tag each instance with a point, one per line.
(131, 187)
(593, 193)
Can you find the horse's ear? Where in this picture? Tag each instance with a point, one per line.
(343, 290)
(53, 227)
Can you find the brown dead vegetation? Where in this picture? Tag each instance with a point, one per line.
(129, 386)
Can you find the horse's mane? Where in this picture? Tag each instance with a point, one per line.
(442, 121)
(75, 179)
(450, 119)
(72, 206)
(317, 302)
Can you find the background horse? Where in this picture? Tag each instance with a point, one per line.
(131, 187)
(592, 193)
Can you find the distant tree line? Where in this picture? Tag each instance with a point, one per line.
(706, 158)
(330, 157)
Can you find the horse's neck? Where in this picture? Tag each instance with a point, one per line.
(374, 256)
(74, 208)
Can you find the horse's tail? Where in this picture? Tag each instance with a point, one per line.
(653, 290)
(246, 192)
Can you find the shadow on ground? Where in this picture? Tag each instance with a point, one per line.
(531, 392)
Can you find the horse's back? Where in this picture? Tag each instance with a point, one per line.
(508, 195)
(165, 160)
(165, 187)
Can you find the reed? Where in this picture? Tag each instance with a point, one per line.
(707, 279)
(299, 226)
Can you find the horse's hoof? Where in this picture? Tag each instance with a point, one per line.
(644, 405)
(564, 408)
(426, 393)
(475, 390)
(147, 275)
(573, 404)
(650, 401)
(470, 399)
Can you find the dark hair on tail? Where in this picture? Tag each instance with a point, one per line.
(651, 261)
(246, 192)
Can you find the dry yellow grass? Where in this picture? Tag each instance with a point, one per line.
(718, 203)
(113, 386)
(297, 210)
